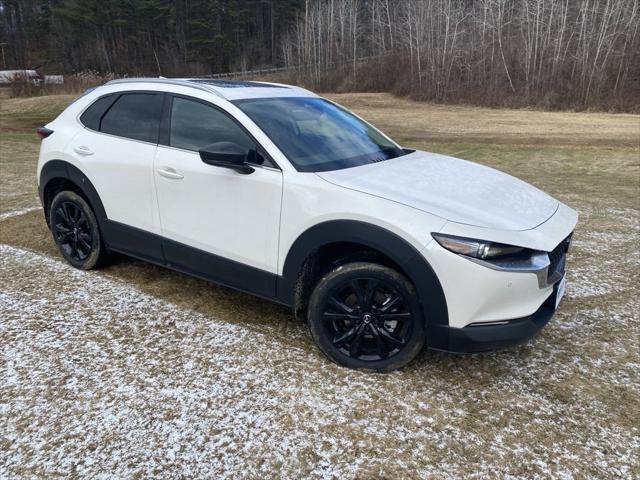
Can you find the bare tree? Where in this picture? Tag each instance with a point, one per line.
(554, 53)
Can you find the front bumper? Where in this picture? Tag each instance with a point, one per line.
(476, 294)
(482, 338)
(524, 292)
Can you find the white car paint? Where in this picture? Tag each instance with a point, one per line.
(238, 215)
(261, 215)
(460, 191)
(120, 169)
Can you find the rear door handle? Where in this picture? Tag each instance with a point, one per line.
(169, 172)
(82, 150)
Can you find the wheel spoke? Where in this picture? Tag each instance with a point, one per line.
(345, 337)
(84, 243)
(62, 232)
(384, 333)
(391, 303)
(82, 255)
(354, 349)
(73, 244)
(65, 207)
(380, 345)
(339, 316)
(340, 306)
(400, 317)
(75, 213)
(62, 213)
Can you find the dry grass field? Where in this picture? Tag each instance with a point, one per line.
(137, 371)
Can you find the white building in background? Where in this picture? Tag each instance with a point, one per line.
(29, 76)
(53, 79)
(10, 76)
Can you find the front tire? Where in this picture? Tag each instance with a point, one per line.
(75, 230)
(364, 315)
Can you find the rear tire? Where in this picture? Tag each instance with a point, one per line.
(75, 231)
(365, 315)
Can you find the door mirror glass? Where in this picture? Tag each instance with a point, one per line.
(227, 155)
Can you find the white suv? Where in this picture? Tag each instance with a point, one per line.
(272, 190)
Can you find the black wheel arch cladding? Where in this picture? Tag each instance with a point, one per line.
(414, 265)
(59, 169)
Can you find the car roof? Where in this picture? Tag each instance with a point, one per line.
(227, 89)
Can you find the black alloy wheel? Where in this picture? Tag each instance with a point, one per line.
(72, 231)
(367, 319)
(366, 315)
(75, 230)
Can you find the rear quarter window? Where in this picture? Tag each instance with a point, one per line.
(92, 115)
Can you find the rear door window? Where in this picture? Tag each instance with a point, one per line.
(135, 116)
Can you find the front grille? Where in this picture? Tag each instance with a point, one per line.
(557, 257)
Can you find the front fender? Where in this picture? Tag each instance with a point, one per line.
(415, 266)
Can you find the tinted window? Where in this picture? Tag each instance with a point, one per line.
(317, 135)
(92, 115)
(134, 115)
(195, 125)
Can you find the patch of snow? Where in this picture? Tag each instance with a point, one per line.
(20, 211)
(99, 379)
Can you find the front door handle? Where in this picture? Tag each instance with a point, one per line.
(169, 172)
(82, 150)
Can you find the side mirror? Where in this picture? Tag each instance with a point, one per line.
(226, 155)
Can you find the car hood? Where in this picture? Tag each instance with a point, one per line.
(454, 189)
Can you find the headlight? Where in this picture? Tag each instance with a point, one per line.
(476, 248)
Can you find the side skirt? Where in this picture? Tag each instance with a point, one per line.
(176, 256)
(132, 241)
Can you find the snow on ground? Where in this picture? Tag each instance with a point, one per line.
(99, 379)
(607, 253)
(15, 213)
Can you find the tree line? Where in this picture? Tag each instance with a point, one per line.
(551, 53)
(144, 37)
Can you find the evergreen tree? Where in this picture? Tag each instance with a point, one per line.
(144, 37)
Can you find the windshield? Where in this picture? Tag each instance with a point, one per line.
(316, 135)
